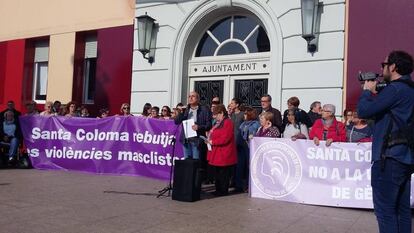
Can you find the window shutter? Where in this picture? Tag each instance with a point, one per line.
(42, 51)
(91, 47)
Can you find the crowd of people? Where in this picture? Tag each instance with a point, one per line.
(228, 129)
(223, 134)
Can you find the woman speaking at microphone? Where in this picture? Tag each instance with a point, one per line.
(221, 154)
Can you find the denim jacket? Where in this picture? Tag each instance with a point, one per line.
(398, 98)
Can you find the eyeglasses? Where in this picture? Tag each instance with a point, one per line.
(126, 108)
(323, 110)
(383, 64)
(164, 110)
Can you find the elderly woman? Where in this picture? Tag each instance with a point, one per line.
(266, 128)
(359, 130)
(48, 109)
(222, 155)
(10, 134)
(294, 128)
(328, 128)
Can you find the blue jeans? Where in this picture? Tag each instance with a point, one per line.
(191, 150)
(13, 145)
(391, 189)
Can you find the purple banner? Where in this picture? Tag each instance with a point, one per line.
(298, 171)
(114, 145)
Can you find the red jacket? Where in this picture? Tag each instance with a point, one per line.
(223, 151)
(336, 131)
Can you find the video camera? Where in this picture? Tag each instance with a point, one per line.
(371, 76)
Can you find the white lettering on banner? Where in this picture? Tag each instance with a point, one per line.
(336, 174)
(69, 153)
(332, 154)
(37, 133)
(164, 139)
(96, 135)
(152, 158)
(363, 155)
(345, 193)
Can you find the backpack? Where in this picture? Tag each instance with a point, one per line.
(405, 134)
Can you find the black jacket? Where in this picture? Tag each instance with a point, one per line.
(204, 120)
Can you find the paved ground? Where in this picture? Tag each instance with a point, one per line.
(50, 201)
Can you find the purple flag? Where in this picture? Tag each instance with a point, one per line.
(114, 145)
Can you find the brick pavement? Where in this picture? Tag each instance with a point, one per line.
(56, 201)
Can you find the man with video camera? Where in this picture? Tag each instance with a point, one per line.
(392, 151)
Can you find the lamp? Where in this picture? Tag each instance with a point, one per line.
(146, 25)
(309, 10)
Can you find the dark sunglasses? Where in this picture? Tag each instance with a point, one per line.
(383, 64)
(126, 108)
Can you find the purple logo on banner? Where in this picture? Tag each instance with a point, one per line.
(113, 145)
(276, 169)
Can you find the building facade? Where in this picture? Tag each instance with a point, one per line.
(66, 50)
(240, 48)
(244, 48)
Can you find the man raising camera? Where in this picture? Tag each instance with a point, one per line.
(392, 163)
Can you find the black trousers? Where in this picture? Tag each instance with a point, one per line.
(222, 179)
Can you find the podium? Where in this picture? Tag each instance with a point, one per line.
(187, 180)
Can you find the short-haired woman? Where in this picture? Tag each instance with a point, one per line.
(266, 128)
(328, 128)
(222, 155)
(48, 109)
(359, 130)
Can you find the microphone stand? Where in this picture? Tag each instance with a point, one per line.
(169, 187)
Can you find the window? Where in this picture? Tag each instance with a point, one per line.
(40, 71)
(233, 35)
(90, 70)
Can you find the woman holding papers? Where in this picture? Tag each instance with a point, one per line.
(222, 155)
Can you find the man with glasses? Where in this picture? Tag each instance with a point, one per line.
(266, 102)
(202, 117)
(392, 165)
(315, 111)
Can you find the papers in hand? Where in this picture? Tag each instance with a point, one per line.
(189, 132)
(206, 141)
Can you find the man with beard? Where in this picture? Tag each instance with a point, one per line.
(392, 165)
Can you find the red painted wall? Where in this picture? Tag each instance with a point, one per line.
(375, 29)
(3, 59)
(114, 67)
(11, 68)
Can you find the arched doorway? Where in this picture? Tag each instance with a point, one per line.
(231, 59)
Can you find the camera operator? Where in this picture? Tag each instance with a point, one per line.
(392, 165)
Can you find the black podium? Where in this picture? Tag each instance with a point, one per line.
(187, 180)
